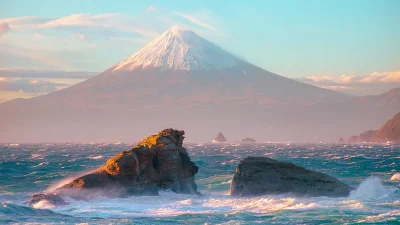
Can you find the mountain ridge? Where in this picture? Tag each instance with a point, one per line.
(390, 131)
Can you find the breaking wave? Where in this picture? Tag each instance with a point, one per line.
(371, 188)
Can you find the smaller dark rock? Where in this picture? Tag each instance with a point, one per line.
(248, 140)
(341, 140)
(51, 198)
(219, 138)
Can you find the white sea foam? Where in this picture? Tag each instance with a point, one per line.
(34, 156)
(43, 204)
(391, 215)
(95, 157)
(259, 205)
(171, 204)
(40, 164)
(353, 204)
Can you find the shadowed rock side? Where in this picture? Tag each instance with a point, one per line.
(157, 162)
(261, 176)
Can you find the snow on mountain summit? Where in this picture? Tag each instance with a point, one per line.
(179, 49)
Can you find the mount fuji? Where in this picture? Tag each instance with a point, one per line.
(178, 80)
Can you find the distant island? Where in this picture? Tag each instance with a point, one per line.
(389, 132)
(248, 140)
(219, 138)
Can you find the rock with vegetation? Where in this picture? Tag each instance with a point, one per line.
(257, 176)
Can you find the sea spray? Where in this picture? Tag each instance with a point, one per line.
(370, 188)
(66, 180)
(44, 204)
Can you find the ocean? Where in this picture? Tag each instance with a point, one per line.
(26, 169)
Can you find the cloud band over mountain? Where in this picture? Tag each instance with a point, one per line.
(375, 83)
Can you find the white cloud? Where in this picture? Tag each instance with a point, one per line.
(197, 21)
(107, 21)
(151, 9)
(37, 36)
(202, 18)
(80, 37)
(30, 85)
(12, 73)
(24, 83)
(384, 77)
(4, 28)
(375, 83)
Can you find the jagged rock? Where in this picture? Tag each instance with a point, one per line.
(261, 176)
(157, 162)
(249, 140)
(219, 138)
(341, 140)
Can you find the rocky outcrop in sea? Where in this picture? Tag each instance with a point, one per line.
(219, 138)
(262, 176)
(249, 140)
(158, 162)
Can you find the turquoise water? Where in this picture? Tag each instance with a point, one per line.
(27, 169)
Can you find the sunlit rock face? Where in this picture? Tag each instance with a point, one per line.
(261, 176)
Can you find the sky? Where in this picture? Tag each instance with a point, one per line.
(350, 46)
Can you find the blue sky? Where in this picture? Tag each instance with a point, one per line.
(296, 39)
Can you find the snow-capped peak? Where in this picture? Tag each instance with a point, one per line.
(179, 49)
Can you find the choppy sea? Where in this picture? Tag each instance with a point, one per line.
(30, 168)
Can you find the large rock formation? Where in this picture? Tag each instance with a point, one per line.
(219, 138)
(157, 162)
(261, 176)
(390, 131)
